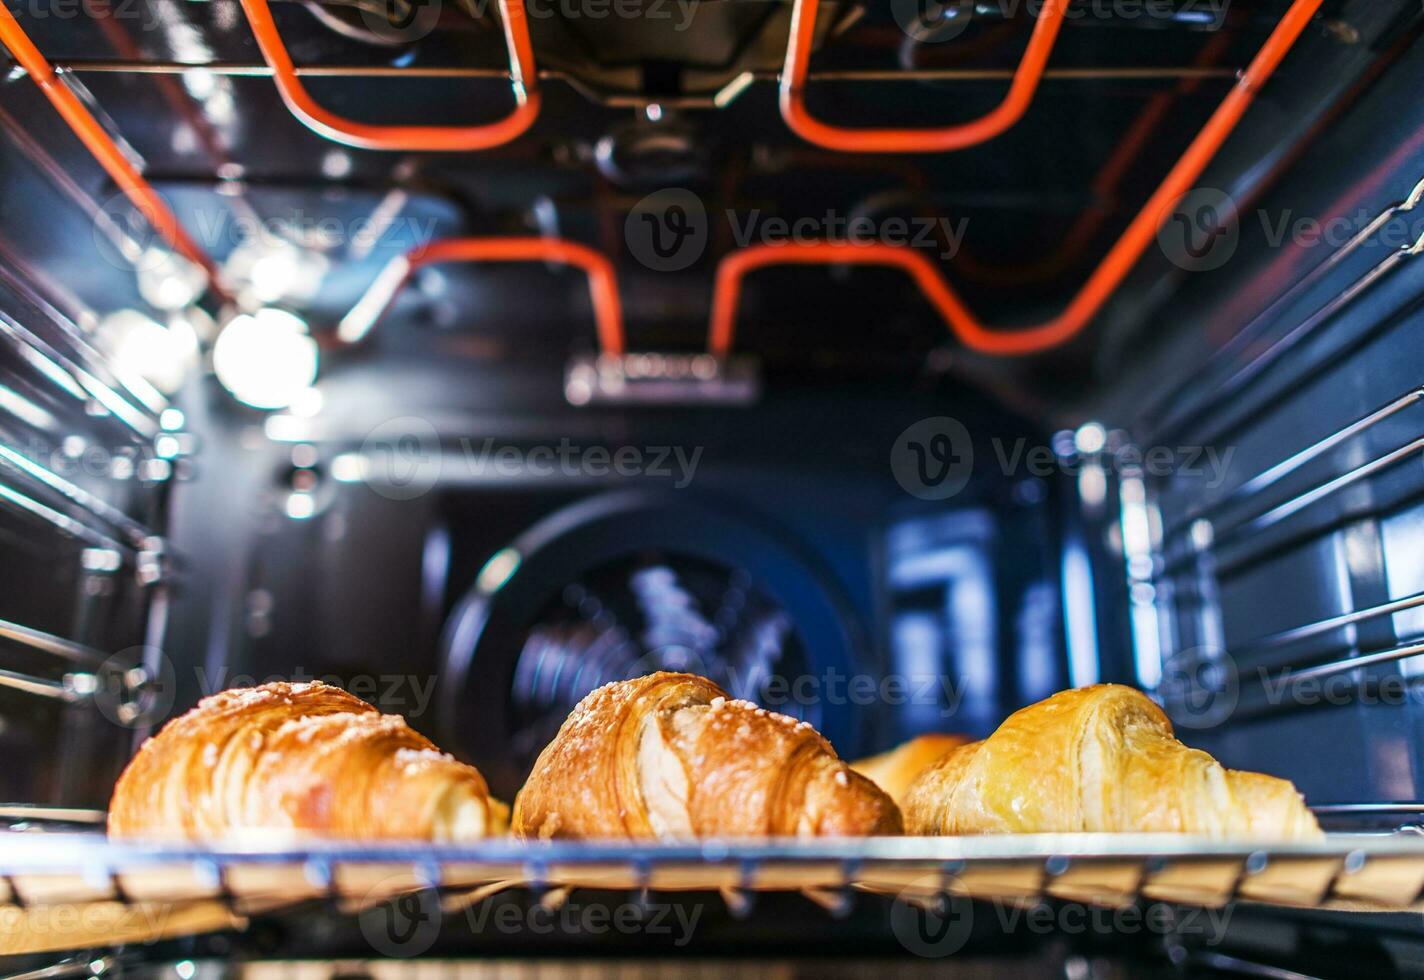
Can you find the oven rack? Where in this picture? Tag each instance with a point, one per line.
(141, 892)
(1203, 546)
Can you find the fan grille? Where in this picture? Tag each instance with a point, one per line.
(648, 612)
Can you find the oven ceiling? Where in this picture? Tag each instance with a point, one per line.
(1016, 223)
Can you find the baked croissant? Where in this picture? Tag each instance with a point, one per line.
(671, 755)
(895, 770)
(297, 757)
(1100, 758)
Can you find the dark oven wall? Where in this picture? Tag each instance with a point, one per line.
(1274, 600)
(453, 544)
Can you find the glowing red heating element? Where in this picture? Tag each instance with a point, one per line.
(1105, 279)
(103, 148)
(938, 140)
(369, 136)
(602, 279)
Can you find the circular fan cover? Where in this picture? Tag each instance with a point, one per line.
(646, 612)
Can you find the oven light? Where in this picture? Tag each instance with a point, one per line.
(265, 359)
(185, 970)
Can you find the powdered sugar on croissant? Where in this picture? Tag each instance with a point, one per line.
(297, 757)
(671, 755)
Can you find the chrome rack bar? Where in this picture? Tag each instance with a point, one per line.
(1263, 360)
(1317, 493)
(1286, 467)
(1329, 809)
(85, 966)
(72, 690)
(1344, 665)
(263, 70)
(63, 522)
(135, 414)
(136, 533)
(52, 169)
(136, 418)
(56, 646)
(1298, 633)
(56, 814)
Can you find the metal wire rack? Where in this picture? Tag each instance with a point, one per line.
(1184, 553)
(210, 888)
(62, 389)
(1208, 546)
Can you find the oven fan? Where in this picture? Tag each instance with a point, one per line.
(650, 612)
(623, 585)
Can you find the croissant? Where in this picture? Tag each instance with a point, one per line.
(297, 757)
(895, 770)
(671, 755)
(1100, 758)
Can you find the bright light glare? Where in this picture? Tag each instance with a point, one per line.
(498, 570)
(141, 347)
(19, 405)
(300, 506)
(270, 269)
(168, 281)
(1091, 438)
(265, 359)
(308, 404)
(348, 468)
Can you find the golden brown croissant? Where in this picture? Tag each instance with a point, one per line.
(895, 770)
(1100, 758)
(670, 755)
(297, 757)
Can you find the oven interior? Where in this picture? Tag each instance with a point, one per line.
(266, 428)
